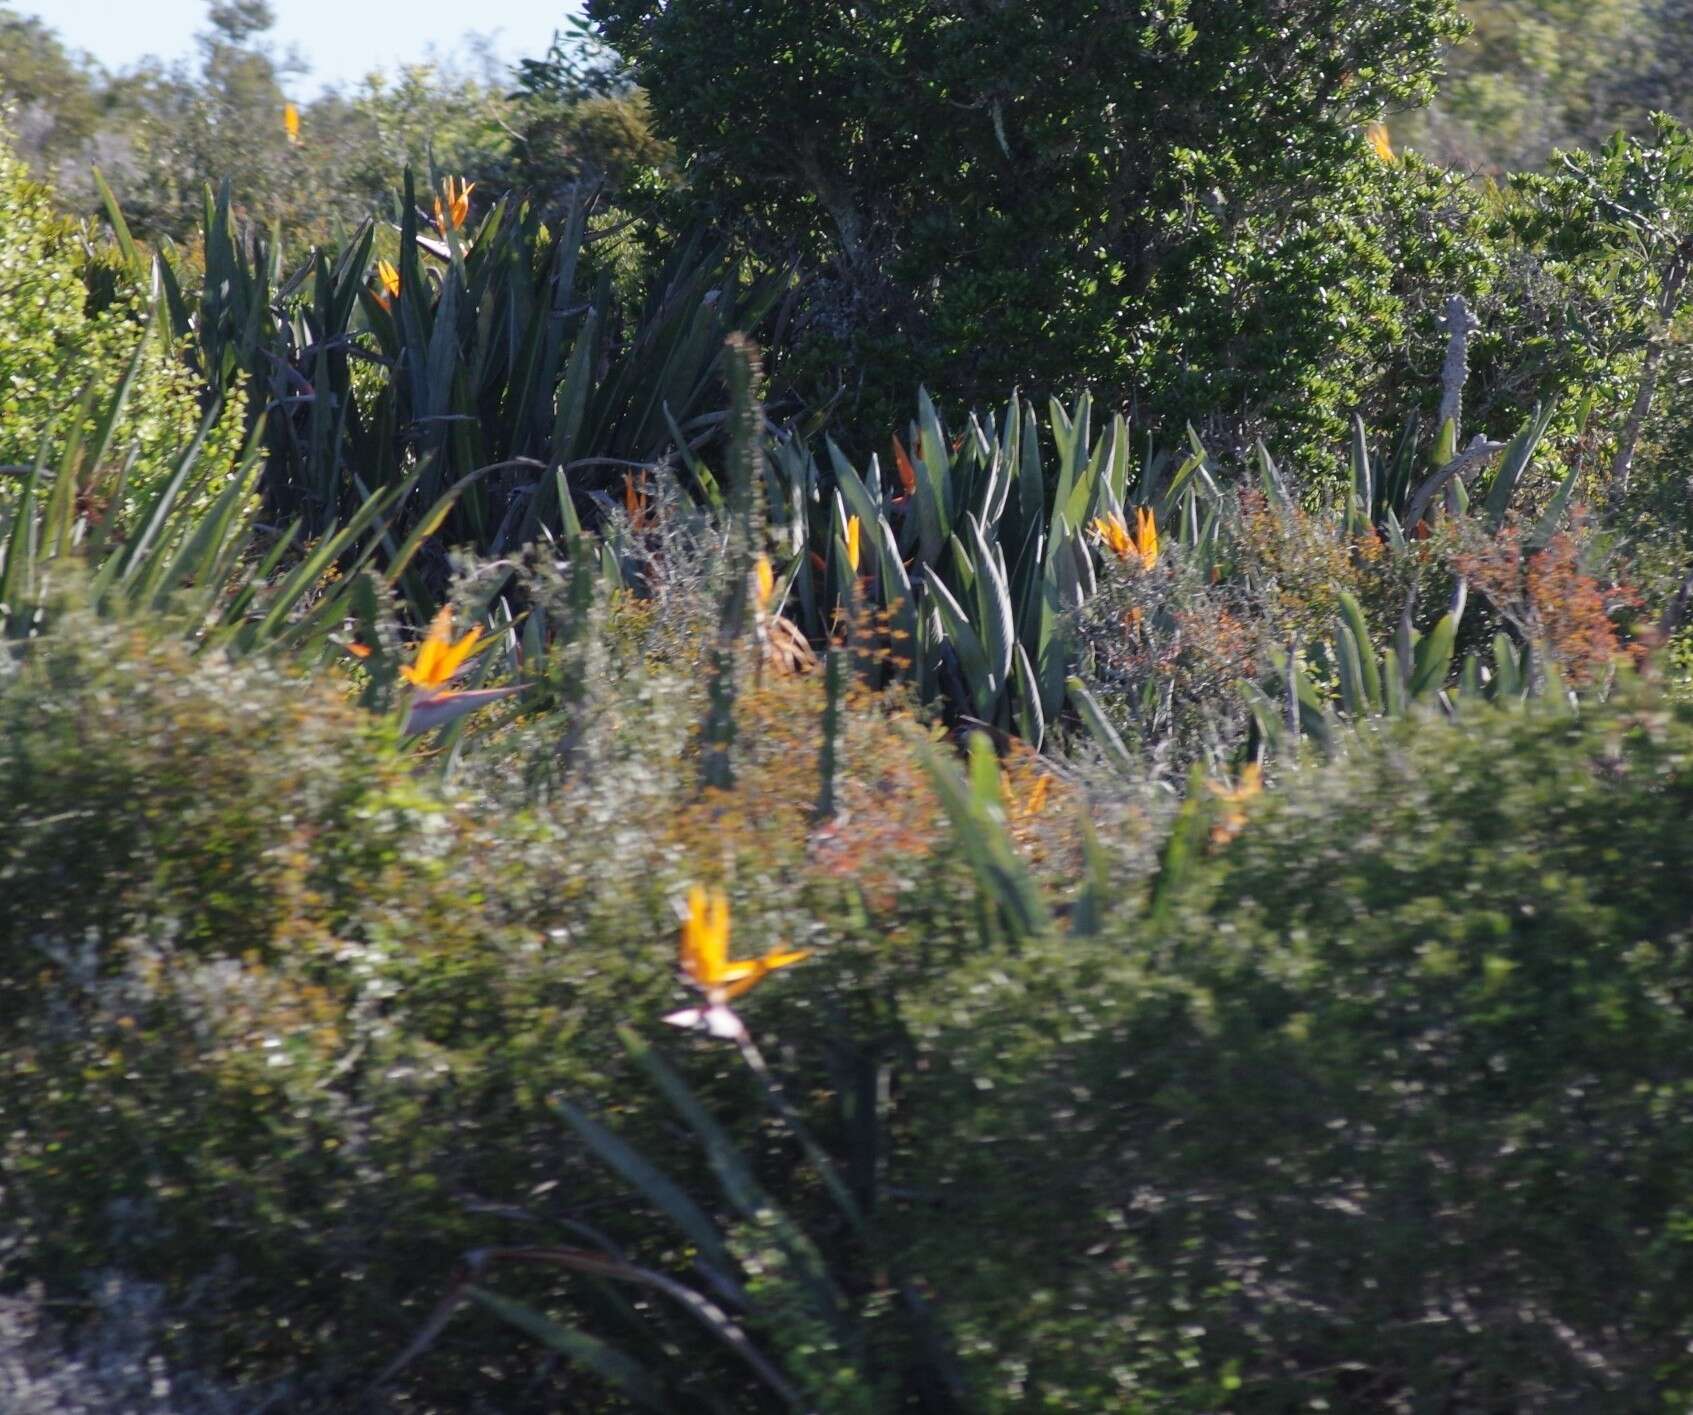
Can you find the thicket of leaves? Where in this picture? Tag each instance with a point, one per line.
(1095, 1089)
(73, 328)
(1342, 1073)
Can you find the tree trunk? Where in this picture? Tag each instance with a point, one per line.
(1668, 301)
(1623, 462)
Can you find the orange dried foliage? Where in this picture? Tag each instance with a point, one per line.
(1575, 618)
(887, 818)
(1219, 644)
(1552, 602)
(1039, 808)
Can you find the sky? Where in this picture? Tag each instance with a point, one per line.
(342, 40)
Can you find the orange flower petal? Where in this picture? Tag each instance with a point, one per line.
(902, 464)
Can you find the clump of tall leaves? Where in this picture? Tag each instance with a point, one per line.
(470, 345)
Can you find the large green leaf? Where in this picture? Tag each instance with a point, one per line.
(1432, 658)
(663, 1192)
(1100, 728)
(980, 830)
(1513, 462)
(618, 1369)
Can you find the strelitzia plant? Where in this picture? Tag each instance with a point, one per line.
(799, 1313)
(439, 660)
(706, 965)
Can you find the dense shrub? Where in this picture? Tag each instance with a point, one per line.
(1404, 1057)
(1383, 1114)
(1156, 198)
(283, 1018)
(224, 1087)
(1076, 1090)
(57, 339)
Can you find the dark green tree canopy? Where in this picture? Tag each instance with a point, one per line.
(995, 187)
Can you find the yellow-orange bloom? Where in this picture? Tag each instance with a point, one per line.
(438, 657)
(291, 122)
(1232, 818)
(765, 580)
(1380, 142)
(1115, 534)
(705, 951)
(1032, 804)
(456, 210)
(388, 282)
(852, 529)
(438, 661)
(1140, 544)
(902, 464)
(1146, 537)
(636, 502)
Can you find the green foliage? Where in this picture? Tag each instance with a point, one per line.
(1534, 75)
(976, 808)
(1621, 220)
(318, 1007)
(580, 120)
(504, 366)
(1108, 1079)
(1412, 673)
(1364, 1080)
(53, 104)
(163, 134)
(186, 129)
(604, 141)
(764, 1262)
(451, 115)
(973, 547)
(339, 981)
(287, 920)
(63, 355)
(191, 560)
(1138, 189)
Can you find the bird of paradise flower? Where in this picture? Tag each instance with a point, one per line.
(706, 966)
(1139, 546)
(439, 660)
